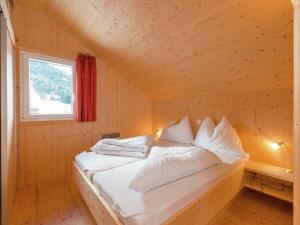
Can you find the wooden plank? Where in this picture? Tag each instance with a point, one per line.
(259, 117)
(297, 111)
(100, 209)
(271, 186)
(206, 46)
(270, 170)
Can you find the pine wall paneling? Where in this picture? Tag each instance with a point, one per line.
(259, 117)
(296, 205)
(179, 48)
(47, 149)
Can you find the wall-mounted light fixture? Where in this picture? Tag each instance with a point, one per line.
(276, 145)
(158, 133)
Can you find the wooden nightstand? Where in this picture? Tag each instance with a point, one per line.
(272, 180)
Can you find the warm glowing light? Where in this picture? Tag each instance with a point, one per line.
(290, 171)
(276, 145)
(158, 133)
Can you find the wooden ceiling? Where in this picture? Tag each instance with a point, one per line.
(185, 47)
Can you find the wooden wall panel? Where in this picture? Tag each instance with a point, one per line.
(179, 48)
(36, 31)
(259, 117)
(296, 219)
(46, 149)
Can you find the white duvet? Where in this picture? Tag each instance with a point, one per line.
(164, 168)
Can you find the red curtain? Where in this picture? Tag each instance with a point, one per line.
(86, 84)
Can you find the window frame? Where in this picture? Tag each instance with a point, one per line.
(24, 87)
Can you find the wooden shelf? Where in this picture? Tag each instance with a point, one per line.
(286, 196)
(272, 180)
(270, 170)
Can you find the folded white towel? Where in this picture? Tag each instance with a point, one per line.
(133, 142)
(122, 153)
(107, 147)
(136, 144)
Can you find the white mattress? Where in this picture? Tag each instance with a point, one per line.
(154, 207)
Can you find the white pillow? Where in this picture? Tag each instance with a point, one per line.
(166, 168)
(180, 132)
(205, 132)
(221, 138)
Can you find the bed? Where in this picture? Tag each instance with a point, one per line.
(91, 163)
(205, 194)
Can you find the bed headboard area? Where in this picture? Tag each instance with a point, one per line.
(260, 117)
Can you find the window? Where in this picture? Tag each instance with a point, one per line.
(47, 87)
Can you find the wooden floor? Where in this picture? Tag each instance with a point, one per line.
(51, 203)
(253, 208)
(59, 203)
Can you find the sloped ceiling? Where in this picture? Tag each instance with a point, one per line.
(185, 47)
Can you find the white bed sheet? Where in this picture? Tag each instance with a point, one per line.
(159, 204)
(91, 163)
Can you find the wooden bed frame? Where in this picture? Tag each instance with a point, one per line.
(201, 211)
